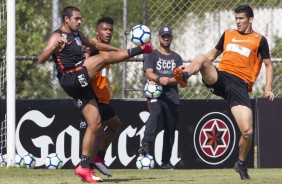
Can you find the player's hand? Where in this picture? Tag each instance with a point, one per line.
(269, 94)
(61, 43)
(164, 80)
(152, 82)
(183, 67)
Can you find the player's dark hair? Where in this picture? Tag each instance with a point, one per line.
(68, 12)
(106, 19)
(245, 9)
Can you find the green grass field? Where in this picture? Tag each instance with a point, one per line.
(133, 176)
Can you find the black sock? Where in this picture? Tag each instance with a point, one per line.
(242, 163)
(91, 166)
(101, 154)
(134, 51)
(85, 161)
(186, 76)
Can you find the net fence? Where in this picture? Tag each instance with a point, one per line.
(3, 42)
(197, 27)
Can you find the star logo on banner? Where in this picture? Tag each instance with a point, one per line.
(214, 138)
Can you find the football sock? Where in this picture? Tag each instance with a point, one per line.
(101, 154)
(242, 163)
(185, 75)
(91, 166)
(134, 51)
(85, 161)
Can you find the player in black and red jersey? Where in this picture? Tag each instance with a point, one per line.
(75, 74)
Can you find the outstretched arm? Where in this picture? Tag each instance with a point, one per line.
(269, 77)
(55, 43)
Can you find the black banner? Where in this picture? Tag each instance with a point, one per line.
(206, 137)
(269, 127)
(197, 119)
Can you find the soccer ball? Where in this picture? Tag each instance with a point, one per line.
(3, 161)
(152, 90)
(29, 161)
(140, 35)
(53, 161)
(145, 162)
(19, 161)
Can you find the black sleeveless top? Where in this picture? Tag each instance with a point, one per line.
(70, 56)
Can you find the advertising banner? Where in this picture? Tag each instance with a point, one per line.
(206, 136)
(269, 127)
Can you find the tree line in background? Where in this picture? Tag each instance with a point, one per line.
(34, 26)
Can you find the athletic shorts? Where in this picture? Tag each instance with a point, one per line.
(232, 88)
(106, 111)
(77, 85)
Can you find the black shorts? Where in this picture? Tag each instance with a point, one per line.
(233, 89)
(78, 86)
(106, 111)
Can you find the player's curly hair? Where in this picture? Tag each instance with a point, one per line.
(106, 19)
(68, 12)
(245, 9)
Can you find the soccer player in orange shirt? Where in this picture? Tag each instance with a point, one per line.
(243, 52)
(104, 31)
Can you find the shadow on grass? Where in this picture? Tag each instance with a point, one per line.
(119, 180)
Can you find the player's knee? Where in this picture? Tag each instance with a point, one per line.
(247, 133)
(95, 125)
(115, 124)
(201, 58)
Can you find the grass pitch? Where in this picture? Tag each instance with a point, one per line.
(135, 176)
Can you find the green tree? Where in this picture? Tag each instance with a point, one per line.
(34, 28)
(32, 81)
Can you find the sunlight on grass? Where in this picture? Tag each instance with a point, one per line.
(134, 176)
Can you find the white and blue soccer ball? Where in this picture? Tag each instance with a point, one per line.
(152, 90)
(29, 161)
(145, 162)
(53, 161)
(140, 35)
(3, 160)
(19, 161)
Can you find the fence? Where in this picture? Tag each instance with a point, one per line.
(197, 26)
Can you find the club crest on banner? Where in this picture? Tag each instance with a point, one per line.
(214, 138)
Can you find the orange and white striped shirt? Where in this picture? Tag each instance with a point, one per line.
(240, 55)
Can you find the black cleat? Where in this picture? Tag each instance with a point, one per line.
(144, 149)
(242, 170)
(167, 166)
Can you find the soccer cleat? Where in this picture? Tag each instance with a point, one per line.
(101, 166)
(181, 77)
(242, 170)
(144, 149)
(147, 48)
(87, 175)
(168, 166)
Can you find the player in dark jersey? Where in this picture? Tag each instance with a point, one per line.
(75, 74)
(244, 51)
(159, 66)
